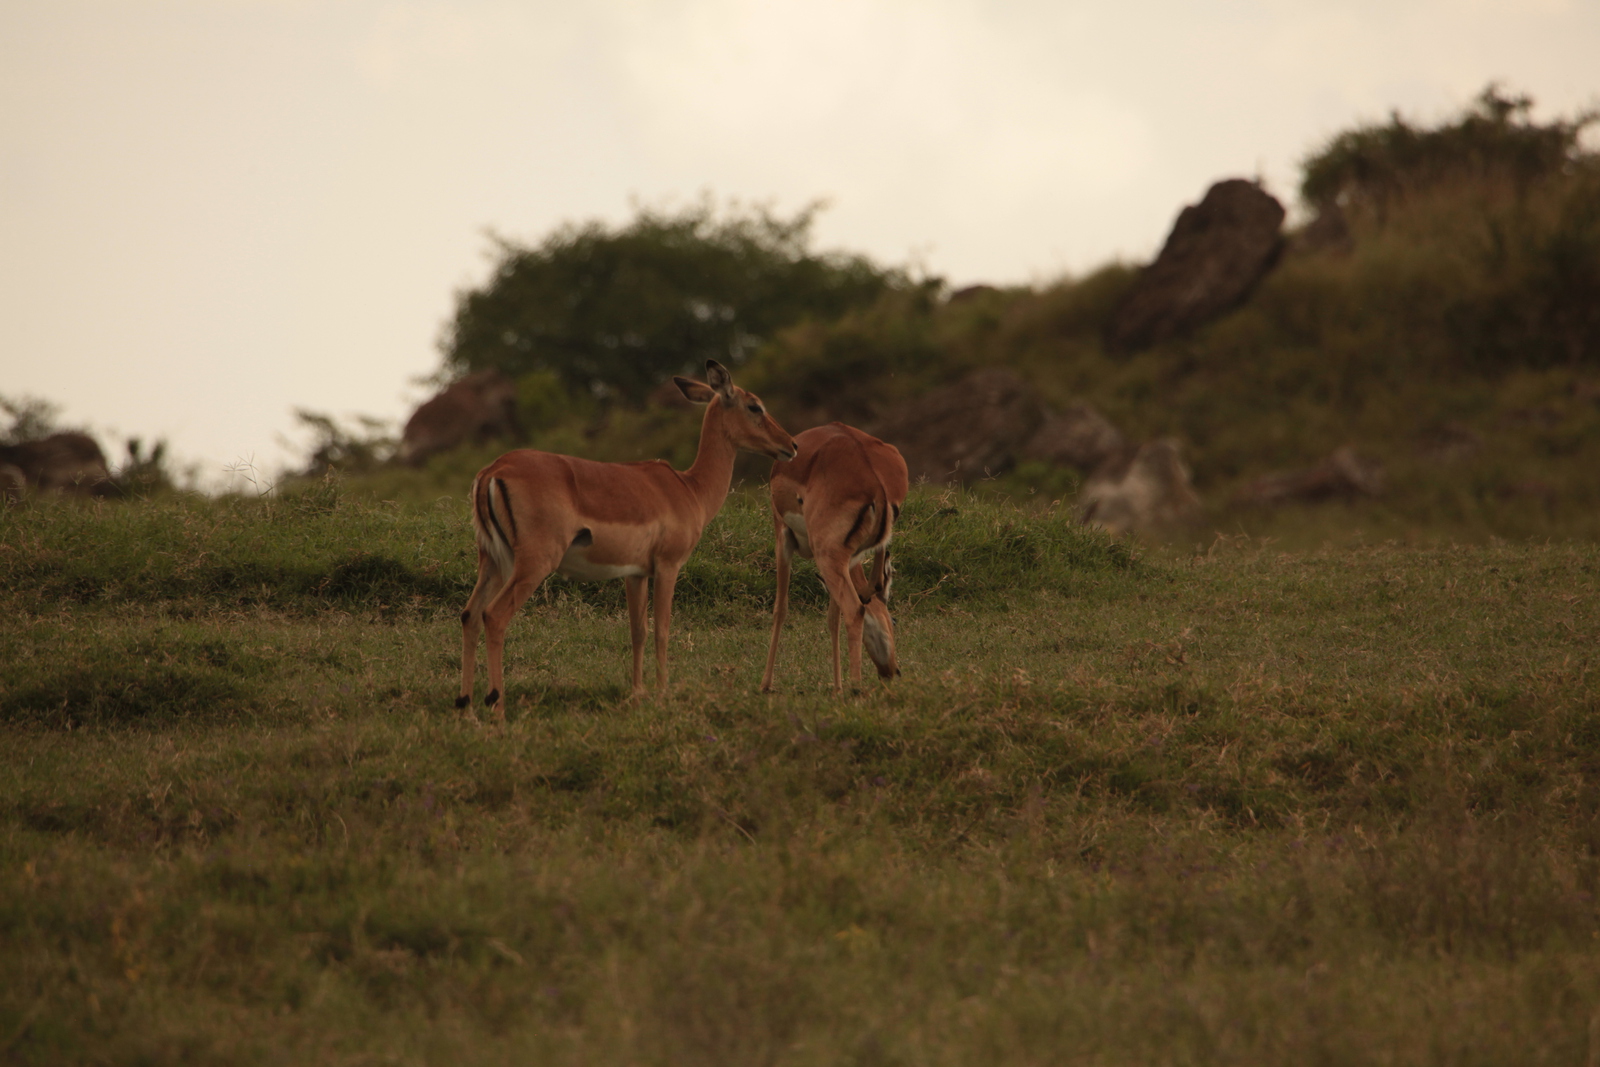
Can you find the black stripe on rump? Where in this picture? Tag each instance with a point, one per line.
(855, 540)
(511, 516)
(494, 519)
(859, 539)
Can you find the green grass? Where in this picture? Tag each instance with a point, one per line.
(326, 548)
(1238, 805)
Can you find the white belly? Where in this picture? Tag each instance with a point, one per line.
(575, 564)
(797, 525)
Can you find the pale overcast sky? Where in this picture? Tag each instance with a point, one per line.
(215, 211)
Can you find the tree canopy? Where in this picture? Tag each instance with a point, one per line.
(614, 312)
(1494, 137)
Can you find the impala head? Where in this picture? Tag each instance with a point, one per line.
(877, 632)
(746, 420)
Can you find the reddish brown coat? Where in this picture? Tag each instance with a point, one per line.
(537, 512)
(836, 502)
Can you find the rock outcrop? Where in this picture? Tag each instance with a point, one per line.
(985, 424)
(479, 408)
(1216, 253)
(63, 462)
(964, 432)
(1145, 487)
(1343, 474)
(1078, 436)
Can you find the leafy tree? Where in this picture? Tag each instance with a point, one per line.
(338, 448)
(613, 313)
(1495, 137)
(1498, 217)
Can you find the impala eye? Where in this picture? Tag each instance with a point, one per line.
(755, 409)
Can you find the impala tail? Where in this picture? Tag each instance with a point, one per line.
(873, 531)
(493, 523)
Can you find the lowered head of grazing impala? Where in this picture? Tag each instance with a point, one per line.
(837, 503)
(534, 513)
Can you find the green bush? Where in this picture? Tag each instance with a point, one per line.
(612, 313)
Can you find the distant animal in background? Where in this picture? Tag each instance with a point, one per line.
(836, 503)
(63, 462)
(534, 513)
(479, 408)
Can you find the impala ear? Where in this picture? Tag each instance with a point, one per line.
(696, 392)
(718, 378)
(882, 576)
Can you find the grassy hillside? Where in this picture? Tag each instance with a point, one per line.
(1439, 311)
(1234, 806)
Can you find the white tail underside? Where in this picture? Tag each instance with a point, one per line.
(490, 540)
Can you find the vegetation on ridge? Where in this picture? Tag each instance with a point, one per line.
(1440, 313)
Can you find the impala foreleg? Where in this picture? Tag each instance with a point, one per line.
(780, 605)
(666, 583)
(638, 588)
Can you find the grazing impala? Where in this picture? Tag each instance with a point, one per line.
(836, 502)
(536, 512)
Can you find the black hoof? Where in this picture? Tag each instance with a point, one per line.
(463, 700)
(492, 699)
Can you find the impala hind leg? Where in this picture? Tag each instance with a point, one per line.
(489, 584)
(833, 636)
(497, 616)
(843, 603)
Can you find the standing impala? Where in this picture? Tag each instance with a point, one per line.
(836, 502)
(537, 512)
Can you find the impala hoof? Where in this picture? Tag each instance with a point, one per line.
(463, 700)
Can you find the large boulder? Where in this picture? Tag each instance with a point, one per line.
(1145, 488)
(964, 432)
(1078, 437)
(479, 408)
(984, 424)
(63, 462)
(1218, 250)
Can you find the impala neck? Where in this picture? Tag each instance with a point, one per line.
(711, 475)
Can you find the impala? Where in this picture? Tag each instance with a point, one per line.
(836, 503)
(536, 512)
